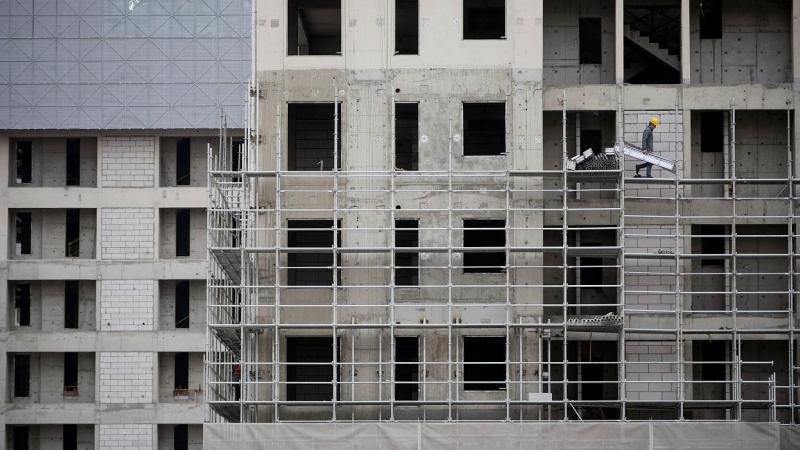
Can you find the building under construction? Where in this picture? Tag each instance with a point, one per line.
(405, 255)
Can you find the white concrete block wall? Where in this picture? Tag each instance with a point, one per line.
(653, 285)
(127, 437)
(126, 377)
(127, 233)
(651, 371)
(128, 161)
(127, 305)
(667, 143)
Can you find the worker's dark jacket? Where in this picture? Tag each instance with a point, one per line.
(647, 139)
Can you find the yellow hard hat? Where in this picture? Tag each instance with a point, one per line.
(654, 121)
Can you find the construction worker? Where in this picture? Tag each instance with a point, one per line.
(647, 147)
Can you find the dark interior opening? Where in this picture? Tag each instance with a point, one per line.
(406, 147)
(311, 136)
(73, 243)
(713, 244)
(70, 437)
(406, 373)
(73, 162)
(312, 268)
(183, 162)
(476, 234)
(24, 229)
(484, 19)
(180, 435)
(592, 139)
(484, 129)
(652, 47)
(181, 370)
(711, 19)
(182, 304)
(592, 273)
(406, 272)
(21, 437)
(310, 350)
(314, 27)
(484, 363)
(590, 41)
(22, 304)
(712, 131)
(237, 149)
(70, 372)
(406, 27)
(712, 351)
(71, 304)
(24, 162)
(183, 234)
(22, 375)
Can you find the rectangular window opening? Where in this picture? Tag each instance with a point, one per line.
(22, 375)
(406, 129)
(183, 163)
(71, 304)
(712, 245)
(182, 304)
(484, 129)
(712, 131)
(70, 374)
(484, 19)
(314, 27)
(312, 268)
(310, 350)
(22, 304)
(712, 351)
(181, 437)
(73, 241)
(237, 153)
(21, 437)
(24, 162)
(312, 136)
(592, 139)
(484, 233)
(711, 19)
(24, 228)
(406, 387)
(406, 272)
(181, 371)
(592, 273)
(590, 33)
(406, 27)
(484, 363)
(183, 235)
(73, 162)
(70, 437)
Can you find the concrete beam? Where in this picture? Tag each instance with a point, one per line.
(90, 413)
(72, 197)
(89, 269)
(105, 341)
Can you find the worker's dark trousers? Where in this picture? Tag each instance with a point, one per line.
(648, 166)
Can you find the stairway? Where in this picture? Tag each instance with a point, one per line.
(643, 42)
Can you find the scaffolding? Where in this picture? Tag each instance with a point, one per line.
(599, 297)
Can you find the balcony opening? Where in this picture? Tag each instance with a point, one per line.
(406, 235)
(70, 437)
(73, 162)
(71, 304)
(590, 41)
(180, 436)
(712, 131)
(24, 162)
(484, 19)
(406, 27)
(484, 233)
(406, 129)
(310, 350)
(70, 374)
(183, 232)
(22, 376)
(314, 27)
(484, 363)
(183, 163)
(406, 387)
(21, 436)
(22, 305)
(73, 249)
(24, 229)
(313, 268)
(484, 129)
(711, 19)
(712, 244)
(311, 136)
(182, 304)
(181, 372)
(652, 43)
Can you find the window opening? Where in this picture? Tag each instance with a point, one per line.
(70, 374)
(712, 131)
(180, 435)
(183, 166)
(314, 27)
(484, 363)
(22, 375)
(484, 129)
(590, 34)
(319, 376)
(22, 304)
(21, 437)
(406, 387)
(182, 304)
(311, 136)
(312, 268)
(181, 370)
(183, 236)
(591, 139)
(73, 242)
(406, 136)
(24, 162)
(73, 162)
(484, 19)
(24, 224)
(406, 27)
(713, 244)
(711, 19)
(70, 437)
(71, 304)
(406, 272)
(484, 233)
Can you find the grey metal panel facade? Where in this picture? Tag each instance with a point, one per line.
(123, 64)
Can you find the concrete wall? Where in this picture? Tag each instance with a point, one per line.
(197, 233)
(47, 380)
(51, 437)
(49, 234)
(197, 305)
(166, 379)
(128, 161)
(166, 437)
(167, 154)
(127, 305)
(126, 377)
(49, 162)
(127, 233)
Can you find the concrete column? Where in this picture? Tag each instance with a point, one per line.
(686, 71)
(5, 158)
(619, 39)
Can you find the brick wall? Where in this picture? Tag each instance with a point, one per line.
(647, 379)
(653, 284)
(127, 305)
(126, 377)
(129, 437)
(667, 143)
(127, 233)
(128, 161)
